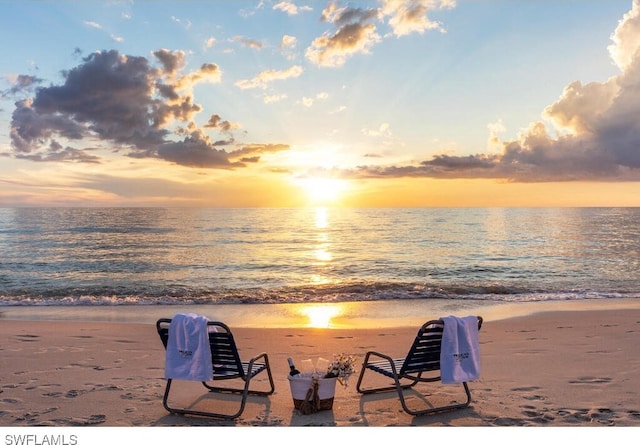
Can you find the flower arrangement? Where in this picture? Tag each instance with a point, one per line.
(342, 367)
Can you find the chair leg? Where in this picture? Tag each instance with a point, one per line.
(272, 387)
(184, 411)
(437, 409)
(165, 399)
(399, 388)
(244, 391)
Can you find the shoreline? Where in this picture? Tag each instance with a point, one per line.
(343, 315)
(550, 368)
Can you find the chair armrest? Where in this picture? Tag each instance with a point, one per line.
(262, 355)
(382, 356)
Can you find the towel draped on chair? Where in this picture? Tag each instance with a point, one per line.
(460, 350)
(188, 354)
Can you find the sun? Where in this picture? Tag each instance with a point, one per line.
(322, 191)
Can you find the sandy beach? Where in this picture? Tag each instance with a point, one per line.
(562, 368)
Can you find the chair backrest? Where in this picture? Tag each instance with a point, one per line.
(224, 353)
(424, 354)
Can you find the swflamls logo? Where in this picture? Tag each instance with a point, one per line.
(461, 356)
(38, 439)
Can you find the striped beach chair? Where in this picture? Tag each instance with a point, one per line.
(227, 365)
(421, 364)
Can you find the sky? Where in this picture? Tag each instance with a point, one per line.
(305, 103)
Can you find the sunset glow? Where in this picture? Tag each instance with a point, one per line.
(320, 316)
(290, 104)
(322, 191)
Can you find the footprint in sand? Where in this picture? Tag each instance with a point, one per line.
(591, 380)
(508, 421)
(604, 416)
(94, 419)
(73, 393)
(27, 337)
(525, 388)
(634, 414)
(537, 416)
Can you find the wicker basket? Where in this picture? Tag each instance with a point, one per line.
(300, 387)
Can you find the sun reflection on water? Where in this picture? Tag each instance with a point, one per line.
(322, 218)
(322, 254)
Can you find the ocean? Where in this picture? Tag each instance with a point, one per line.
(158, 257)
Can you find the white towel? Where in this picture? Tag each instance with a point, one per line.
(460, 350)
(188, 355)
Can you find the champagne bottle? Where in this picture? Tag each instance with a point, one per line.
(293, 371)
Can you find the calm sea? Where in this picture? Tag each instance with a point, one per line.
(167, 256)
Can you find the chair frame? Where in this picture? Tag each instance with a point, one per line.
(227, 365)
(423, 357)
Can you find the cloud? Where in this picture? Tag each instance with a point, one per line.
(592, 131)
(268, 76)
(288, 42)
(407, 17)
(210, 42)
(625, 38)
(290, 8)
(254, 150)
(357, 28)
(249, 43)
(96, 25)
(215, 121)
(494, 145)
(21, 83)
(354, 35)
(382, 130)
(185, 23)
(172, 61)
(59, 154)
(123, 102)
(91, 24)
(274, 98)
(196, 151)
(309, 101)
(288, 46)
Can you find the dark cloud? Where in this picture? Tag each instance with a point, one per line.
(196, 152)
(172, 61)
(124, 102)
(215, 121)
(22, 84)
(58, 154)
(31, 129)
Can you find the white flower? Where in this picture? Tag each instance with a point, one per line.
(342, 367)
